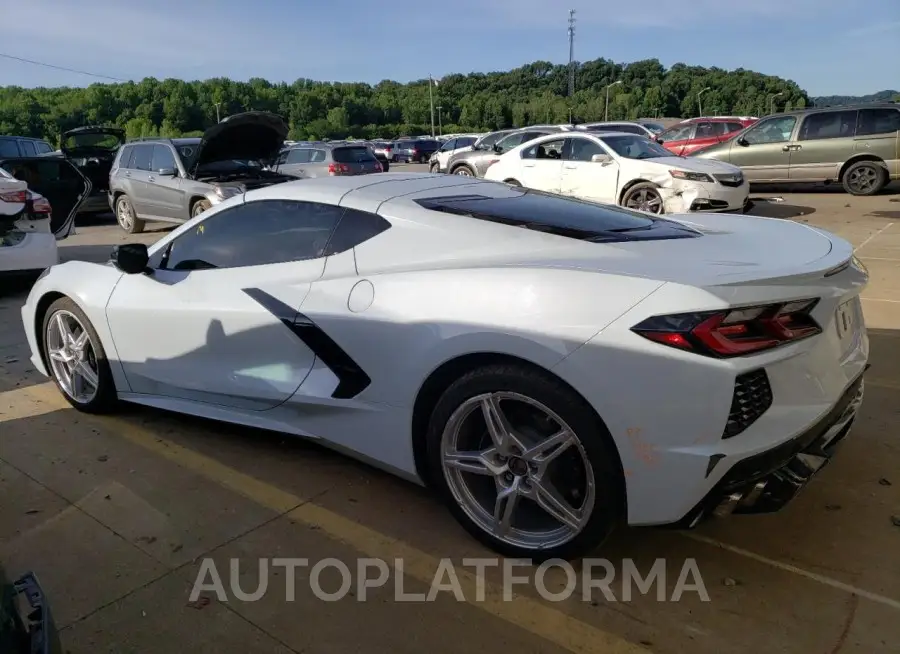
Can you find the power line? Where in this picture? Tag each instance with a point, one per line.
(68, 70)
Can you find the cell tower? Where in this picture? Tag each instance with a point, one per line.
(571, 52)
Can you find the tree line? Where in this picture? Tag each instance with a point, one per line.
(531, 94)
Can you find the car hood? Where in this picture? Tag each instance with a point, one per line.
(253, 135)
(94, 140)
(714, 151)
(695, 165)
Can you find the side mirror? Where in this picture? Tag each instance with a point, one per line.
(167, 172)
(659, 140)
(742, 141)
(131, 258)
(497, 148)
(601, 158)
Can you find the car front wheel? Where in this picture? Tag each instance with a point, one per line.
(76, 358)
(524, 464)
(199, 207)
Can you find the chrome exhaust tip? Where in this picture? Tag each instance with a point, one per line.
(727, 506)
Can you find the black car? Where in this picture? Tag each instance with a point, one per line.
(415, 151)
(26, 623)
(93, 150)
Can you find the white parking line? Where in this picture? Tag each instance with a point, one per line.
(878, 233)
(787, 567)
(878, 299)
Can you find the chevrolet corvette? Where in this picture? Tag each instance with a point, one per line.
(551, 367)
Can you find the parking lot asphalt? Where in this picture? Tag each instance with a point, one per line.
(119, 515)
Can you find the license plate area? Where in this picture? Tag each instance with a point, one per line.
(846, 320)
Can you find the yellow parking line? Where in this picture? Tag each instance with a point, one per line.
(534, 616)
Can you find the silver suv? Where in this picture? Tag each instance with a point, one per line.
(324, 159)
(173, 180)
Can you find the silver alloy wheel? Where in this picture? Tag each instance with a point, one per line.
(124, 214)
(502, 472)
(863, 179)
(645, 199)
(198, 209)
(462, 170)
(72, 357)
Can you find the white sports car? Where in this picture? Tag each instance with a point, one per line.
(624, 169)
(551, 366)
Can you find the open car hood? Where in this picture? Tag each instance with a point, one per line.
(92, 141)
(250, 136)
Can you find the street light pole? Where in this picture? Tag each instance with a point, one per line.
(699, 102)
(218, 120)
(431, 99)
(606, 112)
(771, 101)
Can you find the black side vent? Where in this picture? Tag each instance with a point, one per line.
(752, 398)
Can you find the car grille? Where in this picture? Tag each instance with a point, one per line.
(733, 180)
(752, 398)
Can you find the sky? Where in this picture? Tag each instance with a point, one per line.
(829, 47)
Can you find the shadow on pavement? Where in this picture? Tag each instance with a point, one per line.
(834, 188)
(771, 208)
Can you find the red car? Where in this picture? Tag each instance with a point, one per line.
(695, 133)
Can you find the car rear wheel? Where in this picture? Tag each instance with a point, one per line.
(126, 217)
(199, 207)
(524, 464)
(464, 171)
(864, 178)
(76, 358)
(644, 197)
(434, 169)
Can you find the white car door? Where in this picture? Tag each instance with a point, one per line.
(587, 179)
(444, 154)
(540, 166)
(217, 320)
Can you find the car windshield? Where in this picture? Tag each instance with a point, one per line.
(101, 140)
(635, 147)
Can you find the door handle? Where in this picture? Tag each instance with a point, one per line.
(528, 165)
(788, 148)
(570, 166)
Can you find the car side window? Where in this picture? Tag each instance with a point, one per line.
(143, 157)
(582, 150)
(705, 130)
(733, 127)
(877, 121)
(8, 148)
(773, 130)
(682, 133)
(298, 156)
(510, 142)
(42, 147)
(317, 156)
(163, 157)
(125, 156)
(355, 227)
(27, 149)
(465, 142)
(630, 129)
(449, 145)
(828, 125)
(255, 234)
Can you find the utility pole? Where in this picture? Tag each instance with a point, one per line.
(440, 121)
(700, 101)
(571, 62)
(431, 100)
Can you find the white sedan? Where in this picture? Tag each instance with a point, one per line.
(550, 367)
(29, 225)
(624, 169)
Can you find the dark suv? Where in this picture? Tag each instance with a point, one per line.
(23, 146)
(415, 151)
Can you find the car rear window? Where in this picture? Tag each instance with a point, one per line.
(546, 212)
(354, 154)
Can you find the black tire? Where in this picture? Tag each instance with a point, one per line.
(106, 399)
(512, 182)
(864, 178)
(464, 170)
(608, 512)
(135, 225)
(199, 207)
(646, 188)
(434, 169)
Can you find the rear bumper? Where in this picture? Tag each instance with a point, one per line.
(35, 251)
(768, 481)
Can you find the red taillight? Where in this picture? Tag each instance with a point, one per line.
(14, 196)
(734, 332)
(338, 168)
(414, 152)
(41, 205)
